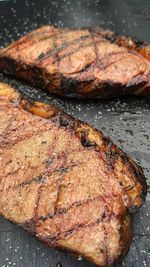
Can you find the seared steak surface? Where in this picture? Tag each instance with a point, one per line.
(64, 181)
(82, 63)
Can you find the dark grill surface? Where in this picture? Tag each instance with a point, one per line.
(125, 120)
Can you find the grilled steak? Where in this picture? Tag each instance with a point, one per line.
(64, 181)
(82, 63)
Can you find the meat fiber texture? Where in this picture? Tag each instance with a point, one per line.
(65, 182)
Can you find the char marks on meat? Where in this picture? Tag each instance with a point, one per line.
(82, 63)
(64, 181)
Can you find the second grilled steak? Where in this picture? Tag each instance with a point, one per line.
(65, 182)
(82, 63)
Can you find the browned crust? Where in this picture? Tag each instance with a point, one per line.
(112, 219)
(81, 63)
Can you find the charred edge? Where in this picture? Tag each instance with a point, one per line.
(85, 141)
(7, 65)
(138, 82)
(137, 43)
(26, 101)
(62, 119)
(29, 226)
(16, 101)
(112, 154)
(66, 121)
(73, 88)
(138, 176)
(110, 89)
(31, 73)
(70, 87)
(112, 37)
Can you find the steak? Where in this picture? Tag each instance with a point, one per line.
(81, 63)
(65, 182)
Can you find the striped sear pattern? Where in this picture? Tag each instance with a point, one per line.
(65, 182)
(82, 63)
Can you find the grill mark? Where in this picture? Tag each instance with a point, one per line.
(38, 201)
(75, 50)
(43, 181)
(60, 170)
(53, 240)
(75, 204)
(21, 138)
(111, 39)
(60, 235)
(58, 50)
(78, 74)
(36, 179)
(106, 244)
(59, 187)
(81, 46)
(94, 43)
(30, 35)
(106, 65)
(6, 129)
(24, 183)
(125, 191)
(57, 57)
